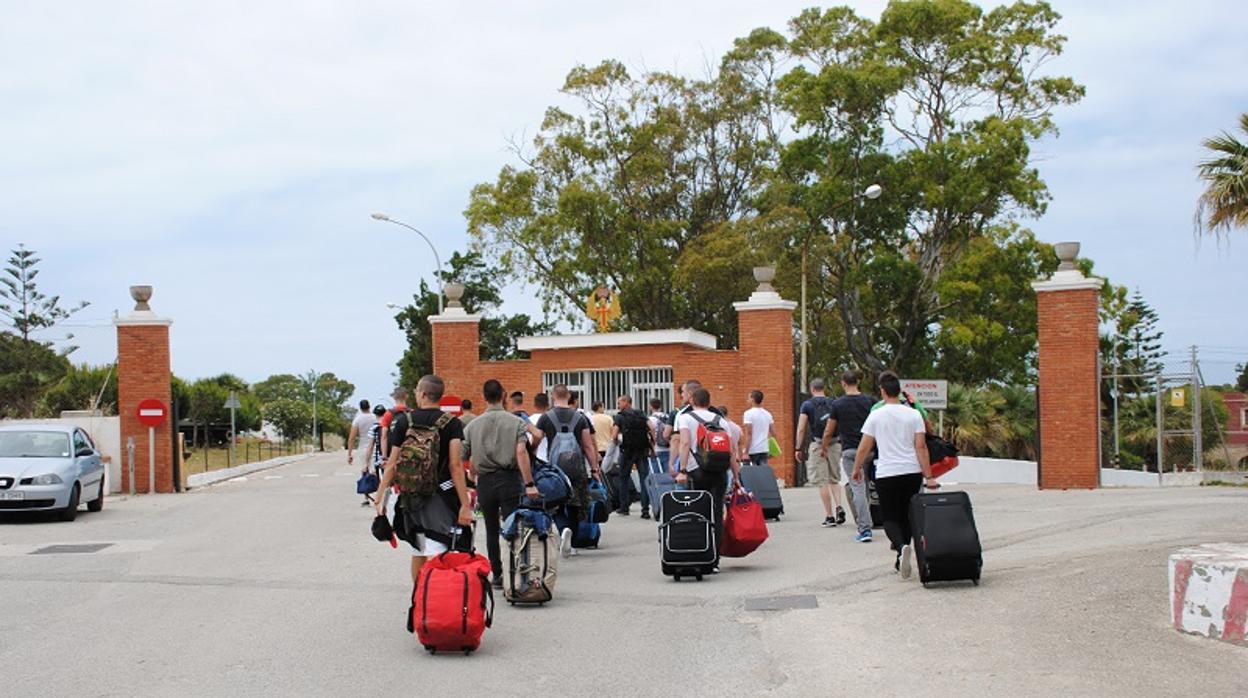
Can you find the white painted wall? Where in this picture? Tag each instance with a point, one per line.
(104, 431)
(973, 470)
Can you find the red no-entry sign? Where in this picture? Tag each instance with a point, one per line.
(152, 412)
(451, 404)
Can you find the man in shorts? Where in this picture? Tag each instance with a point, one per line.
(822, 465)
(433, 523)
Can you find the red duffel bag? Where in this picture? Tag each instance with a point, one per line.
(452, 603)
(744, 526)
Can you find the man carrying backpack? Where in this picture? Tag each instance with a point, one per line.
(661, 425)
(425, 466)
(707, 453)
(822, 465)
(497, 442)
(570, 445)
(636, 439)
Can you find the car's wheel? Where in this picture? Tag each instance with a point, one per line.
(70, 512)
(97, 504)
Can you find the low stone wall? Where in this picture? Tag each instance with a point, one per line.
(972, 469)
(1209, 591)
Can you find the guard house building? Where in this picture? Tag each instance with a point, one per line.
(644, 365)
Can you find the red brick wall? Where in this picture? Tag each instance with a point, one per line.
(143, 371)
(765, 362)
(1069, 389)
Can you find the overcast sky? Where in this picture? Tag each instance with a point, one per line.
(229, 154)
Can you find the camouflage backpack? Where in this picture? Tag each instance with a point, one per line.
(416, 473)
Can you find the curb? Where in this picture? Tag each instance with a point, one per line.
(212, 478)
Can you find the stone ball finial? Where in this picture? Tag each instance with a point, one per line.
(764, 276)
(141, 295)
(454, 293)
(1067, 252)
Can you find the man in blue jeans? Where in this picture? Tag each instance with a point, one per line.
(632, 430)
(846, 415)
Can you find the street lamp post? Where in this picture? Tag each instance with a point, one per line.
(315, 381)
(871, 192)
(436, 258)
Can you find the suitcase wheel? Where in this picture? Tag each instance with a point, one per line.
(698, 577)
(676, 578)
(975, 582)
(431, 649)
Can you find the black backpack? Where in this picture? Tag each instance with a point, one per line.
(634, 431)
(822, 407)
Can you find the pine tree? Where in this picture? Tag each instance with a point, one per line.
(1142, 339)
(29, 311)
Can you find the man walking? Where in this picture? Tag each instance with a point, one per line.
(691, 468)
(389, 424)
(635, 435)
(468, 415)
(429, 523)
(602, 424)
(566, 430)
(823, 468)
(498, 444)
(537, 443)
(845, 417)
(902, 468)
(759, 427)
(517, 405)
(357, 442)
(661, 425)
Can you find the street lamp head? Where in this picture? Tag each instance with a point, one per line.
(873, 191)
(380, 217)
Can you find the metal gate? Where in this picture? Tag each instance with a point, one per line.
(605, 385)
(1152, 422)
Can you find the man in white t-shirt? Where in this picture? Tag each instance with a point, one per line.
(759, 427)
(690, 470)
(357, 442)
(541, 403)
(902, 468)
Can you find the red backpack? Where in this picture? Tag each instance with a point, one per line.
(714, 445)
(449, 603)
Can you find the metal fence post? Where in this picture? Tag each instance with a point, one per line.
(130, 458)
(1161, 426)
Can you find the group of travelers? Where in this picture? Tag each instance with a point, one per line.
(494, 455)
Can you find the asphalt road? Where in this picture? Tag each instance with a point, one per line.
(272, 585)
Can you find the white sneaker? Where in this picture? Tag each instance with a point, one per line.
(905, 562)
(565, 542)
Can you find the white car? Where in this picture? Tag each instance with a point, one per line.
(52, 467)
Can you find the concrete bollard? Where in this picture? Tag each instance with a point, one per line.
(1209, 591)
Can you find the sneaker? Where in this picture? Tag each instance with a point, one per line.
(829, 523)
(574, 553)
(715, 570)
(905, 562)
(622, 512)
(645, 515)
(863, 537)
(565, 542)
(840, 516)
(366, 503)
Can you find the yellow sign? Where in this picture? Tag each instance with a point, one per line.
(1178, 398)
(603, 307)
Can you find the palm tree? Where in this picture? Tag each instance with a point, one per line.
(1224, 204)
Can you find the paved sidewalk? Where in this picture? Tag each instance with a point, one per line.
(272, 585)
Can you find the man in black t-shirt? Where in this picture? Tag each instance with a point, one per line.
(845, 417)
(430, 524)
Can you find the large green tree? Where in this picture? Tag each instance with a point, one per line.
(82, 387)
(30, 313)
(482, 295)
(668, 189)
(1224, 203)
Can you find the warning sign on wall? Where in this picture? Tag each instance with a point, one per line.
(932, 393)
(1178, 398)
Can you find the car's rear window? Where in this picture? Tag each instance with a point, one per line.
(34, 444)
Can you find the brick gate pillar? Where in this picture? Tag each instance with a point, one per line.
(1069, 376)
(456, 347)
(143, 372)
(765, 353)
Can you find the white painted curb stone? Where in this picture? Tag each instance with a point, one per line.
(1209, 591)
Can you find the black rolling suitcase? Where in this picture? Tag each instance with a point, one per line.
(687, 535)
(760, 480)
(946, 542)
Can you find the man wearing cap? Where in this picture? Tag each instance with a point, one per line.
(497, 442)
